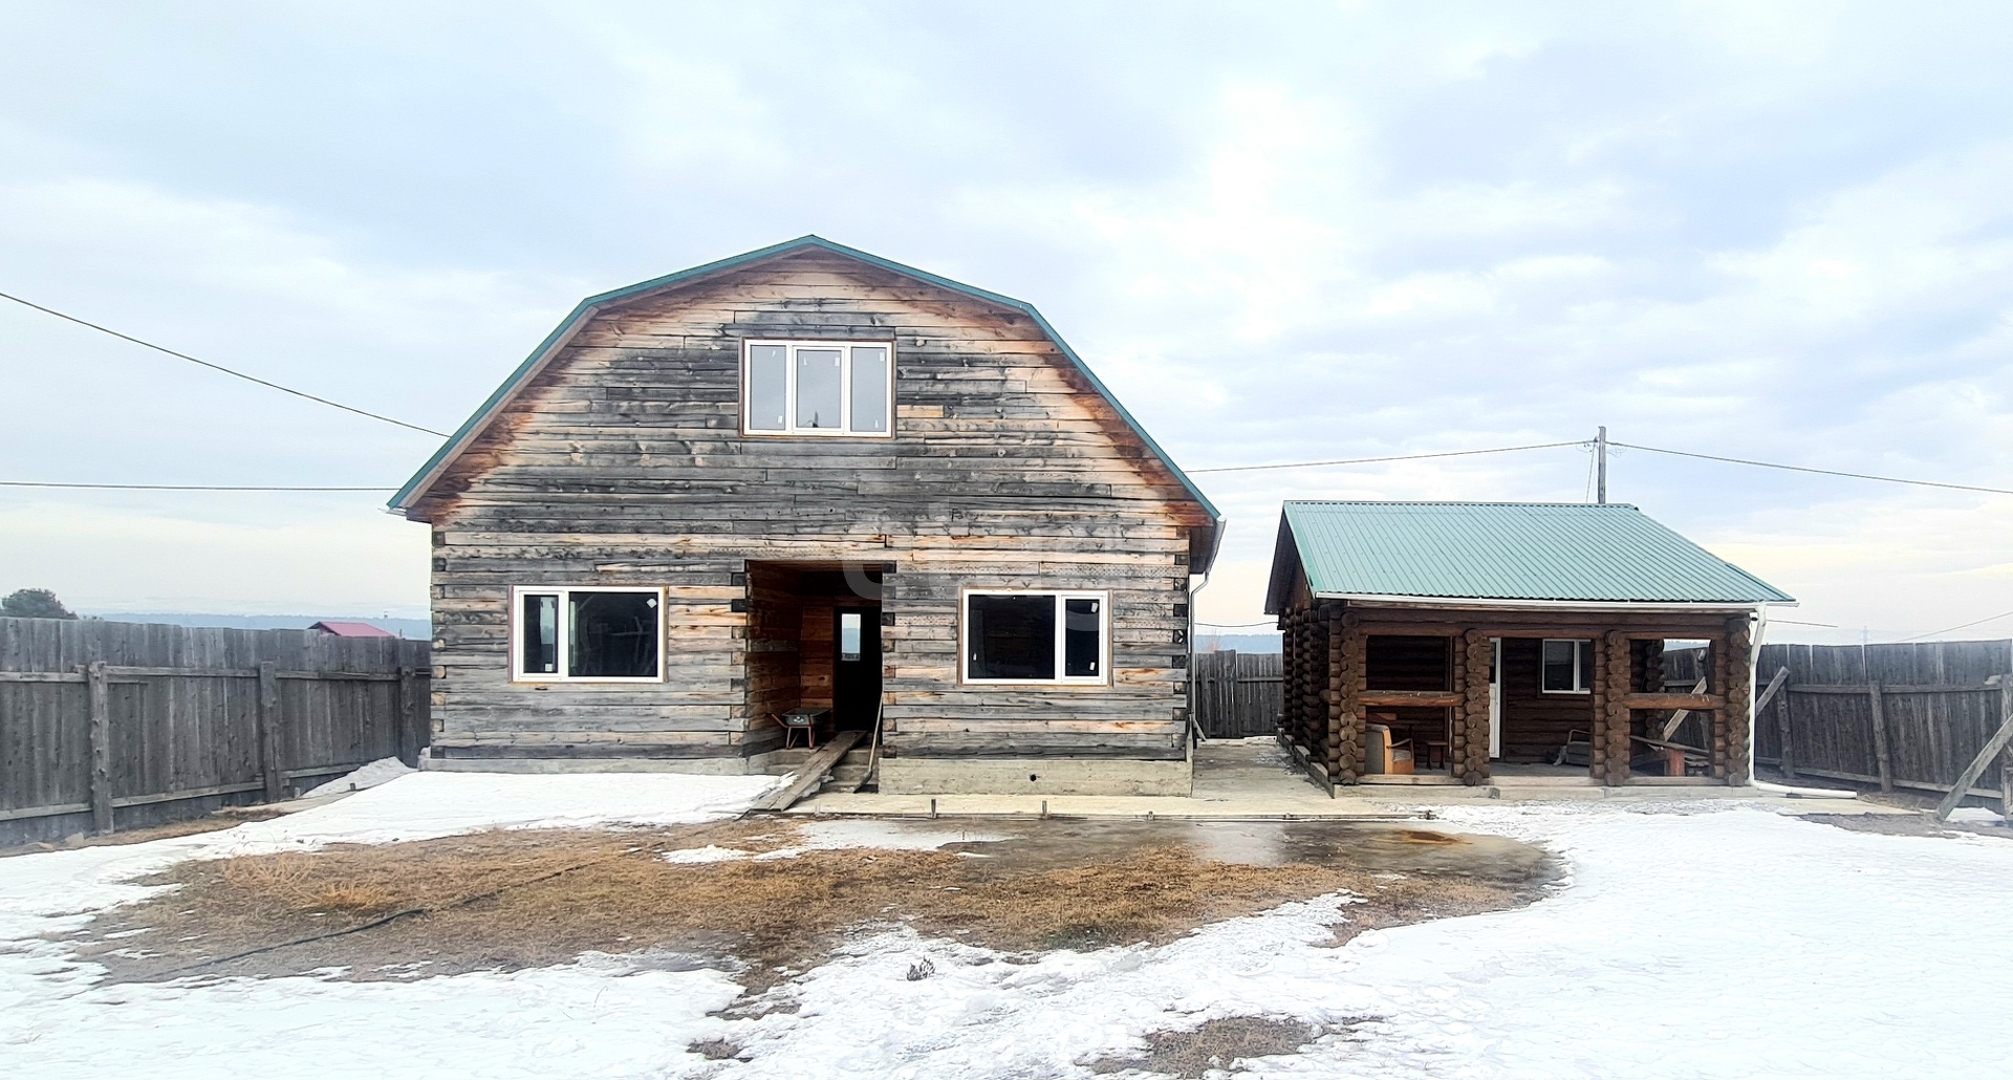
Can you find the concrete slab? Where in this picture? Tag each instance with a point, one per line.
(1257, 778)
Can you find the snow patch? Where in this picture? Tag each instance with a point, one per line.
(381, 771)
(1701, 941)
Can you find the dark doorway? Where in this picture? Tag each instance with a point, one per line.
(856, 667)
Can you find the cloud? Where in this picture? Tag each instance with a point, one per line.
(1779, 232)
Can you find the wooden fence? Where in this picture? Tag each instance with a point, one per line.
(1899, 716)
(1237, 694)
(106, 724)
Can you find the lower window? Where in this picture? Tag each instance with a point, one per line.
(593, 634)
(1568, 666)
(1036, 637)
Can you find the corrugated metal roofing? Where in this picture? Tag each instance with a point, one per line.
(1612, 553)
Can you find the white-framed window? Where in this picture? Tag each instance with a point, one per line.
(1566, 666)
(1047, 636)
(818, 388)
(586, 634)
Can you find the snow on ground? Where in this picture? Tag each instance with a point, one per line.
(419, 806)
(833, 834)
(1725, 942)
(363, 778)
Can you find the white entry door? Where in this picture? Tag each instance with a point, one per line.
(1495, 697)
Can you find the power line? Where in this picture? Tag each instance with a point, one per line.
(1959, 626)
(1393, 457)
(1237, 625)
(180, 487)
(1822, 472)
(220, 367)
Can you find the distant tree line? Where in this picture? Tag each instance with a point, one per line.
(34, 604)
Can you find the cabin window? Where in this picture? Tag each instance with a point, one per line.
(1568, 666)
(818, 388)
(1036, 637)
(597, 634)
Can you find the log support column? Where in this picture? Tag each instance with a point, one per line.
(1738, 688)
(1470, 750)
(1351, 679)
(1611, 715)
(1333, 663)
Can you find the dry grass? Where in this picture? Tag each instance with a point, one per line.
(1217, 1044)
(530, 898)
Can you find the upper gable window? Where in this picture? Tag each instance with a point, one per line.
(817, 387)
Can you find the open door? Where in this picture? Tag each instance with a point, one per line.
(1495, 698)
(856, 667)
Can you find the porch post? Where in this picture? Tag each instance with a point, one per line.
(1612, 722)
(1347, 713)
(1737, 688)
(1470, 747)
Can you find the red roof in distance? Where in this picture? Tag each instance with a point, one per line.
(341, 628)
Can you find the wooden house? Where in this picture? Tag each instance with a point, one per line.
(810, 484)
(1473, 640)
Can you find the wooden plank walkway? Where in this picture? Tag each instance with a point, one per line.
(812, 772)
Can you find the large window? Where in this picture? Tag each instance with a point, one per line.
(593, 634)
(818, 388)
(1036, 637)
(1568, 666)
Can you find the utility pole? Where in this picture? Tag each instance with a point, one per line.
(1601, 466)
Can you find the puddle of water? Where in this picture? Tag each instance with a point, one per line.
(1373, 847)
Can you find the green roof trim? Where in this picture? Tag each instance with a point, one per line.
(1502, 552)
(587, 308)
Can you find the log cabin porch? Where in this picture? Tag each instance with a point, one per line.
(1390, 694)
(1473, 643)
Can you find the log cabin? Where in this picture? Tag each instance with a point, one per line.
(807, 486)
(1467, 642)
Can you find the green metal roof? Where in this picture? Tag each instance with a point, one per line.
(1539, 552)
(586, 309)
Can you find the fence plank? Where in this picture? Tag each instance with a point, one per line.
(173, 727)
(101, 749)
(1237, 695)
(1939, 702)
(269, 731)
(1883, 760)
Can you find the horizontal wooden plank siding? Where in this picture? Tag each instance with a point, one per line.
(183, 716)
(622, 464)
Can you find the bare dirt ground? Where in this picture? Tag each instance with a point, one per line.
(1216, 1046)
(525, 898)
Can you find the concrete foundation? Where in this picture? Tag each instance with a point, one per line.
(1256, 778)
(773, 763)
(1034, 776)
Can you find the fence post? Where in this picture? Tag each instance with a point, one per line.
(101, 748)
(1788, 762)
(270, 767)
(1880, 754)
(2006, 762)
(408, 716)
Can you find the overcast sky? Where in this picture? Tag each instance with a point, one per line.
(1779, 231)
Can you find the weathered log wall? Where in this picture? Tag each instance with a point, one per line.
(622, 464)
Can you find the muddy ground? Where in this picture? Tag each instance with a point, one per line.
(525, 898)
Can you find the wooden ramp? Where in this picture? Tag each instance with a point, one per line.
(811, 773)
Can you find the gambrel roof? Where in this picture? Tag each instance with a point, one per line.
(555, 342)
